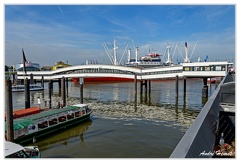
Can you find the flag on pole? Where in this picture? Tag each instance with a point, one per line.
(24, 61)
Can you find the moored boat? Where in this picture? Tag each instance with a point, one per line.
(13, 150)
(32, 87)
(36, 126)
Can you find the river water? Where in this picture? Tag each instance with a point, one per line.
(121, 127)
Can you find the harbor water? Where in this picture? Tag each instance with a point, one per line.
(120, 126)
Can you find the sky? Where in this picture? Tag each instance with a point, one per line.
(74, 33)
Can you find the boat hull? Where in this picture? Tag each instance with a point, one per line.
(47, 131)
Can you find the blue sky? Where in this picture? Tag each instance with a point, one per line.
(75, 33)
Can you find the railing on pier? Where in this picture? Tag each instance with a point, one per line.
(201, 136)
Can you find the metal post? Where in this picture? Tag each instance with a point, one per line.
(27, 93)
(9, 111)
(63, 91)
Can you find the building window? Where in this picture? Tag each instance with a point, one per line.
(207, 68)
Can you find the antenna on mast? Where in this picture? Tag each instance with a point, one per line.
(186, 59)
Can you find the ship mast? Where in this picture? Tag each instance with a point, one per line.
(129, 55)
(168, 56)
(136, 55)
(115, 52)
(186, 59)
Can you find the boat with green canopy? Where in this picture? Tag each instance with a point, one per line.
(34, 127)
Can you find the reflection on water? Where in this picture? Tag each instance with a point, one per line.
(64, 137)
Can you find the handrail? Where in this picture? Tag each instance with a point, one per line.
(200, 137)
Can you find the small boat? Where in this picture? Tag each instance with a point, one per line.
(13, 150)
(32, 87)
(31, 128)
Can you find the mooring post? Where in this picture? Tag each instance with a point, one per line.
(66, 86)
(149, 87)
(59, 86)
(9, 111)
(81, 81)
(135, 84)
(176, 86)
(63, 92)
(50, 93)
(42, 81)
(145, 83)
(13, 78)
(135, 92)
(31, 79)
(141, 86)
(184, 87)
(205, 88)
(27, 93)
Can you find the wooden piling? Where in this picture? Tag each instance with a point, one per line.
(63, 91)
(27, 93)
(9, 111)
